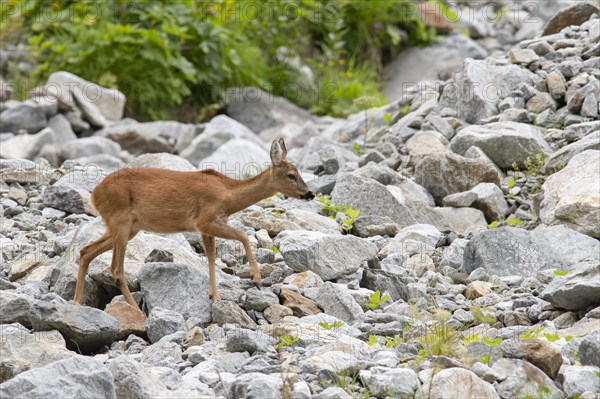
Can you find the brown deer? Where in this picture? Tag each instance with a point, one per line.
(167, 201)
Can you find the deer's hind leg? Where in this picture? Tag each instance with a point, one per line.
(86, 256)
(211, 254)
(121, 236)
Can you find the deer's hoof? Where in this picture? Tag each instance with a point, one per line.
(215, 297)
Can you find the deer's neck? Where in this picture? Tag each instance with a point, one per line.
(249, 192)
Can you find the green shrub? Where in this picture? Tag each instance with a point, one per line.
(163, 53)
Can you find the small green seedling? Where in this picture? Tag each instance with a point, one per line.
(286, 340)
(376, 299)
(331, 326)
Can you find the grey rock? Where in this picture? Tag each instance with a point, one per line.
(257, 386)
(490, 200)
(163, 322)
(576, 290)
(522, 378)
(89, 146)
(150, 137)
(244, 157)
(522, 56)
(458, 220)
(25, 117)
(72, 200)
(580, 130)
(503, 142)
(26, 171)
(164, 353)
(100, 106)
(27, 146)
(561, 158)
(216, 133)
(575, 14)
(570, 196)
(556, 85)
(413, 64)
(75, 377)
(14, 308)
(458, 382)
(589, 349)
(553, 240)
(134, 381)
(259, 300)
(177, 287)
(260, 110)
(504, 251)
(83, 327)
(228, 312)
(312, 221)
(243, 340)
(337, 302)
(459, 200)
(381, 381)
(540, 103)
(371, 198)
(22, 350)
(61, 128)
(469, 93)
(369, 226)
(576, 380)
(448, 173)
(162, 160)
(385, 282)
(589, 107)
(329, 256)
(159, 255)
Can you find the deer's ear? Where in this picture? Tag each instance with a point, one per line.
(282, 145)
(277, 153)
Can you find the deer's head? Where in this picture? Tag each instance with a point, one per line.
(285, 177)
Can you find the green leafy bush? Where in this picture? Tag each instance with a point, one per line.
(162, 53)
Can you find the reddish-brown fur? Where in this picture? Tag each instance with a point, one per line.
(167, 201)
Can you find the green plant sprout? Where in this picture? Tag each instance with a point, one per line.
(376, 299)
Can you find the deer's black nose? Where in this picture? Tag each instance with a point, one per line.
(308, 196)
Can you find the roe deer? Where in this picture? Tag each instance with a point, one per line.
(167, 201)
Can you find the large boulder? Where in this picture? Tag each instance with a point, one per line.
(504, 142)
(575, 14)
(552, 241)
(476, 91)
(89, 146)
(217, 132)
(75, 377)
(577, 290)
(371, 198)
(561, 158)
(14, 308)
(329, 256)
(572, 196)
(260, 110)
(24, 117)
(177, 287)
(150, 137)
(26, 146)
(504, 251)
(84, 328)
(448, 173)
(21, 350)
(457, 382)
(238, 158)
(162, 160)
(100, 106)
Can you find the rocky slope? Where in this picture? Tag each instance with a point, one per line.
(472, 269)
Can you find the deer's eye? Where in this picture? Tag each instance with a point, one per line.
(292, 177)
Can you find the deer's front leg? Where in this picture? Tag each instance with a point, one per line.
(211, 254)
(221, 229)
